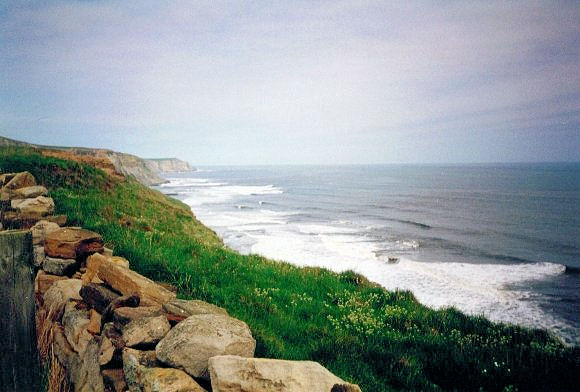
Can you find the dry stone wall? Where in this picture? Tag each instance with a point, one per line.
(112, 329)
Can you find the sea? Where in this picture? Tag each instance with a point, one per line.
(497, 240)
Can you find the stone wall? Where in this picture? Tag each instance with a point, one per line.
(108, 328)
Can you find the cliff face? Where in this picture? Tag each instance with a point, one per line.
(125, 164)
(168, 165)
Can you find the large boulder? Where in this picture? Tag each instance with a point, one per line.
(30, 191)
(58, 266)
(191, 343)
(145, 330)
(20, 180)
(231, 373)
(59, 293)
(34, 208)
(72, 243)
(128, 282)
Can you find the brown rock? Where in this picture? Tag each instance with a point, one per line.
(127, 282)
(35, 208)
(43, 281)
(93, 263)
(167, 380)
(126, 300)
(106, 350)
(72, 243)
(182, 307)
(145, 330)
(20, 180)
(40, 230)
(124, 315)
(114, 380)
(97, 296)
(58, 219)
(94, 326)
(30, 191)
(5, 178)
(114, 335)
(120, 261)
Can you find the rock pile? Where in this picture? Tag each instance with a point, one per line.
(116, 330)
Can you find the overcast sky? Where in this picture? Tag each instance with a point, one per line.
(262, 82)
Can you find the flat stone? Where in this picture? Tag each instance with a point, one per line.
(93, 263)
(37, 207)
(125, 315)
(145, 330)
(59, 293)
(97, 296)
(30, 191)
(72, 243)
(43, 281)
(57, 266)
(167, 380)
(94, 326)
(182, 307)
(191, 343)
(231, 373)
(40, 230)
(127, 282)
(126, 300)
(114, 380)
(20, 180)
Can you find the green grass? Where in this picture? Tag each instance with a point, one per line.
(381, 340)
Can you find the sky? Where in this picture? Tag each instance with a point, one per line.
(295, 82)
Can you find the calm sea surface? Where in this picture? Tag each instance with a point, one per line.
(498, 240)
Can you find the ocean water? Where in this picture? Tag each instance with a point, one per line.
(497, 240)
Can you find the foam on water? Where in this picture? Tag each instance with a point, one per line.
(497, 291)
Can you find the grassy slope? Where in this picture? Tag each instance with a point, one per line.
(381, 340)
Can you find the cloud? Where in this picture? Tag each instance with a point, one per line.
(292, 73)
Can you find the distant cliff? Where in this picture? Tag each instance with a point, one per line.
(146, 171)
(168, 165)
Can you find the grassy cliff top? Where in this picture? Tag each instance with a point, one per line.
(381, 340)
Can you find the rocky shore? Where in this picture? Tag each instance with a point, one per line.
(107, 328)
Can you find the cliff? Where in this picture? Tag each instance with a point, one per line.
(168, 165)
(146, 171)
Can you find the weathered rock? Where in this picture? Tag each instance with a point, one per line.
(70, 359)
(182, 307)
(20, 180)
(114, 335)
(134, 361)
(145, 330)
(120, 261)
(125, 315)
(114, 380)
(30, 191)
(40, 230)
(5, 178)
(75, 322)
(126, 300)
(167, 380)
(345, 388)
(107, 252)
(59, 293)
(43, 281)
(93, 263)
(106, 350)
(89, 377)
(57, 266)
(127, 282)
(58, 219)
(33, 208)
(97, 296)
(38, 255)
(231, 373)
(191, 343)
(94, 326)
(72, 243)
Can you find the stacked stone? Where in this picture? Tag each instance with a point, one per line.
(23, 202)
(116, 330)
